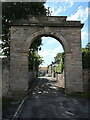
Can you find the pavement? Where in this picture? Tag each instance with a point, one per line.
(47, 101)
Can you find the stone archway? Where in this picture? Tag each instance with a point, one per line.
(48, 33)
(68, 33)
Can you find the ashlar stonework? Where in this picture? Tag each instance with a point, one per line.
(25, 32)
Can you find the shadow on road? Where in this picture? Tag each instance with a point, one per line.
(46, 101)
(46, 87)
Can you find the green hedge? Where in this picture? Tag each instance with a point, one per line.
(86, 58)
(59, 68)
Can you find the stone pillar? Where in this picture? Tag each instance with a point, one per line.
(73, 73)
(18, 62)
(0, 88)
(19, 73)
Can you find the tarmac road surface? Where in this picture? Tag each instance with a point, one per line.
(47, 101)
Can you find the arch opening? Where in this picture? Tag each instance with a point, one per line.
(57, 36)
(48, 35)
(56, 73)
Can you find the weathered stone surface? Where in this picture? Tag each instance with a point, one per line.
(0, 88)
(0, 78)
(25, 32)
(86, 79)
(5, 77)
(49, 21)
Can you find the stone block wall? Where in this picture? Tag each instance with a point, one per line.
(32, 75)
(86, 79)
(61, 80)
(5, 77)
(0, 78)
(32, 78)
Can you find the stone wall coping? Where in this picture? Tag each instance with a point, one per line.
(50, 21)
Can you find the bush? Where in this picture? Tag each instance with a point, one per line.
(86, 58)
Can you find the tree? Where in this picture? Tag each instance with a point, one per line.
(59, 57)
(17, 10)
(34, 60)
(86, 57)
(21, 10)
(88, 46)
